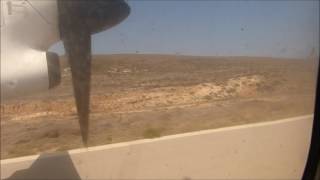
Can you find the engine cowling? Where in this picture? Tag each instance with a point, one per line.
(33, 72)
(28, 29)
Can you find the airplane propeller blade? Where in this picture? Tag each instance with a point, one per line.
(76, 38)
(78, 20)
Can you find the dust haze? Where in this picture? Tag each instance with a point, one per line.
(148, 96)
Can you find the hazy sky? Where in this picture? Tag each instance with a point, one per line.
(232, 28)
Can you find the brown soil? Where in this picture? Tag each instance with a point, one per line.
(146, 96)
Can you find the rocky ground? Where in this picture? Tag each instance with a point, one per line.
(147, 96)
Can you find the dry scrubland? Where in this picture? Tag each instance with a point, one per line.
(147, 96)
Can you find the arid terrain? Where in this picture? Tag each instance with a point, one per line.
(147, 96)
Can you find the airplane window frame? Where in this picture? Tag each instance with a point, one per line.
(312, 168)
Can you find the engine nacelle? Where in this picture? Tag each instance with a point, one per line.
(28, 29)
(33, 72)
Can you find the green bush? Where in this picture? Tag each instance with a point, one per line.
(151, 133)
